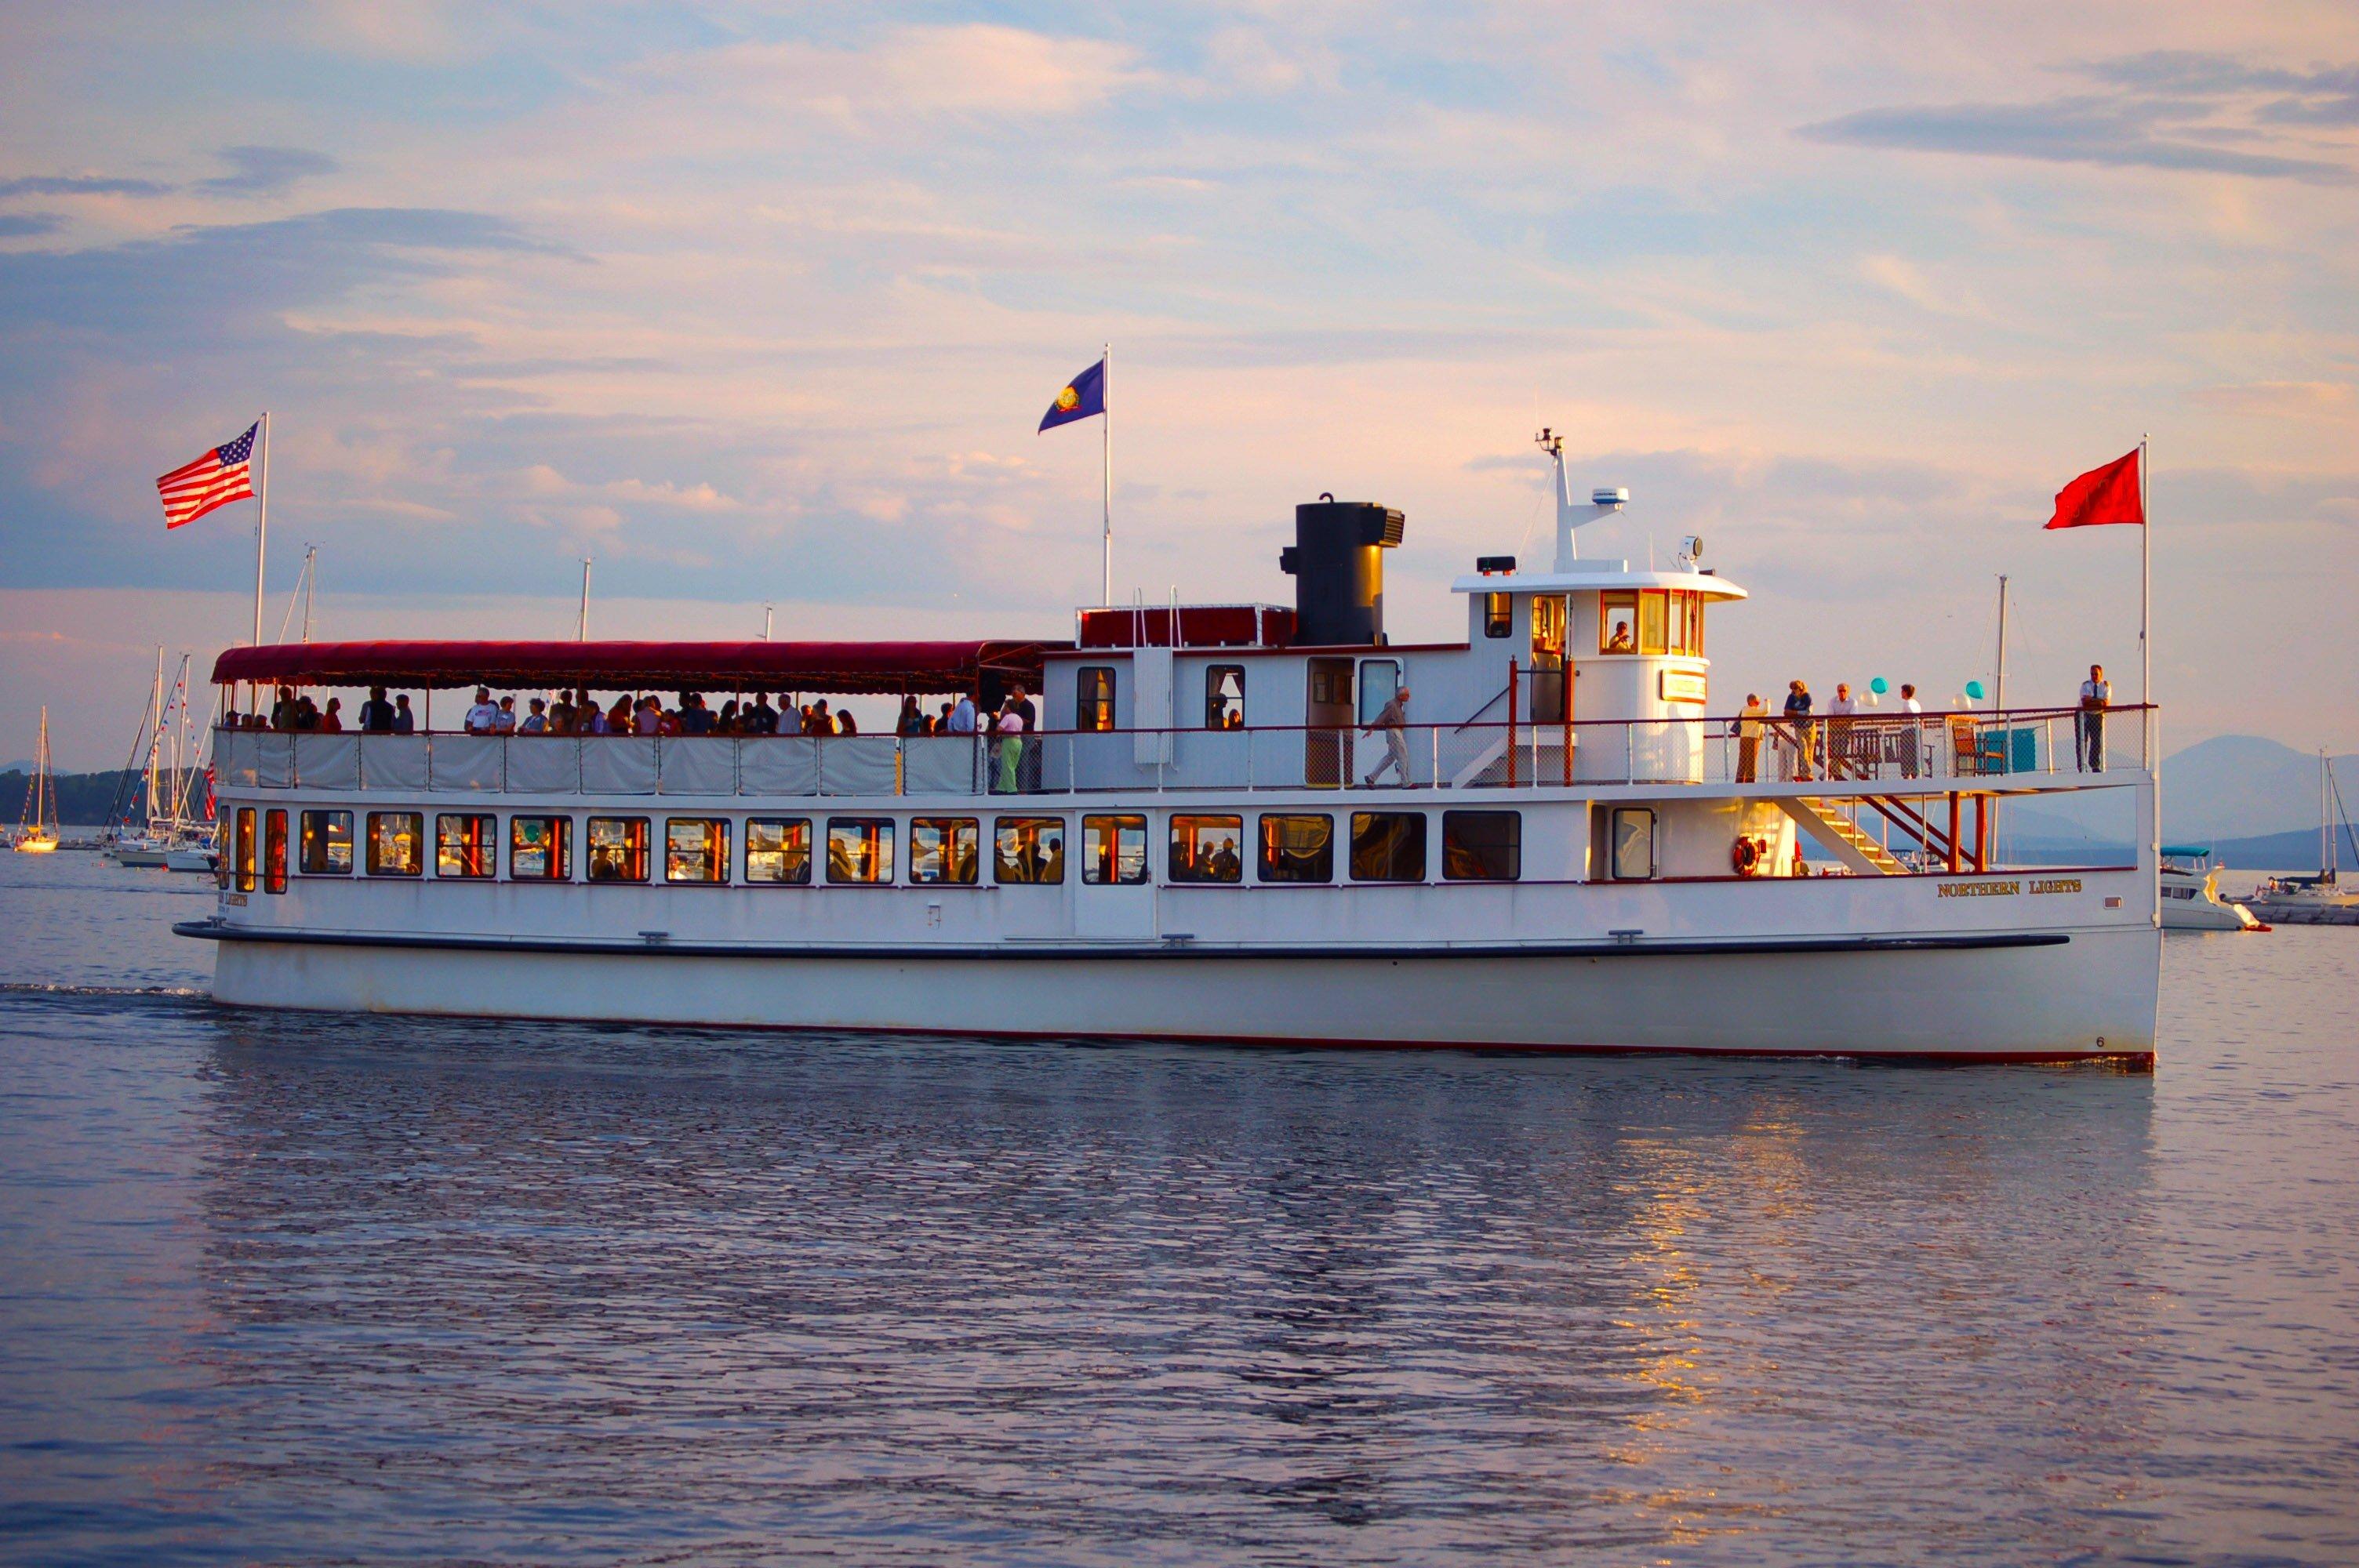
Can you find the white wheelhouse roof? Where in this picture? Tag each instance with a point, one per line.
(1588, 576)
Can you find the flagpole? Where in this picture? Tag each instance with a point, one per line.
(1105, 435)
(262, 528)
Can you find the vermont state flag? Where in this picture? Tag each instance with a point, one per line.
(1082, 396)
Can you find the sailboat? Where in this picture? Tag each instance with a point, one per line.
(2322, 897)
(37, 829)
(172, 839)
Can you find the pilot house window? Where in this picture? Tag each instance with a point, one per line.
(1224, 697)
(1498, 614)
(1617, 622)
(1093, 698)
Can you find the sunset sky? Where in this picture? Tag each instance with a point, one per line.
(763, 304)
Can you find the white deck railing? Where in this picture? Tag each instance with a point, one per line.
(1840, 754)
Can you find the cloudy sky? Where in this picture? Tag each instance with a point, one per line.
(762, 303)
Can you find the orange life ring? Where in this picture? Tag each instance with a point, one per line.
(1749, 854)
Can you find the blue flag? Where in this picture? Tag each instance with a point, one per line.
(1084, 396)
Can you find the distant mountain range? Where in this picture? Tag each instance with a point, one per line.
(2241, 786)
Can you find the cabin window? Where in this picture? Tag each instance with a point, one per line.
(1298, 849)
(1207, 849)
(1695, 623)
(618, 850)
(1224, 697)
(540, 848)
(1114, 849)
(1093, 698)
(1617, 622)
(859, 849)
(397, 844)
(274, 851)
(1634, 843)
(1028, 849)
(696, 850)
(242, 851)
(1654, 607)
(1482, 846)
(463, 847)
(1388, 846)
(1379, 680)
(1498, 614)
(945, 850)
(327, 845)
(778, 850)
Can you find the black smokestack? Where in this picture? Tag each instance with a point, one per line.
(1338, 565)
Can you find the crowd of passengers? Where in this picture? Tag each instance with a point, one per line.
(579, 713)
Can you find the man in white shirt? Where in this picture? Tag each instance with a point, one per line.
(1838, 712)
(484, 716)
(2088, 724)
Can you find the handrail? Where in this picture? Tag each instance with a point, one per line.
(1771, 723)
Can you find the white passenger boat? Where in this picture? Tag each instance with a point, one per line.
(2191, 893)
(1212, 832)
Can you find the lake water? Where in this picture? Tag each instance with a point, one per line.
(308, 1290)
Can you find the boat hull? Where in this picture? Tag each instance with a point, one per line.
(2029, 997)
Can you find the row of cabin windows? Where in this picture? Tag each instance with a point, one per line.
(1629, 620)
(1093, 705)
(1201, 847)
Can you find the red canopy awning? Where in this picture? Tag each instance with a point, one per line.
(849, 667)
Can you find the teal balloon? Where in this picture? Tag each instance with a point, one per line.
(1974, 689)
(1879, 685)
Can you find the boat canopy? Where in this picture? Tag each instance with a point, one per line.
(883, 668)
(2190, 850)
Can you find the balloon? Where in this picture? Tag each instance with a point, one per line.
(1974, 689)
(1879, 685)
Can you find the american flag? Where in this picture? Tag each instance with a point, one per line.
(220, 476)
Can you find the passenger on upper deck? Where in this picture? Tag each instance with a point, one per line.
(1748, 737)
(403, 721)
(376, 713)
(536, 721)
(761, 719)
(961, 718)
(484, 716)
(332, 722)
(504, 721)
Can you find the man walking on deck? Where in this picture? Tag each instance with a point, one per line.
(1393, 720)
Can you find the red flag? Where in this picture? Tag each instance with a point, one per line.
(2109, 494)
